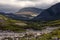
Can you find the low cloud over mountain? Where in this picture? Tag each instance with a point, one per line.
(13, 5)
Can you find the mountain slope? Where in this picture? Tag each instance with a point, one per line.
(24, 13)
(29, 12)
(51, 13)
(31, 9)
(8, 24)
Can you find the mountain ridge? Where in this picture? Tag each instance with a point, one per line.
(52, 13)
(29, 13)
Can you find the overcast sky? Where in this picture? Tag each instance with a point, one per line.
(15, 5)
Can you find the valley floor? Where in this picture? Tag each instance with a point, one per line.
(29, 34)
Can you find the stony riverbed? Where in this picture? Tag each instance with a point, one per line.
(11, 34)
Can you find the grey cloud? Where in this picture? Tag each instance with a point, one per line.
(45, 5)
(30, 3)
(8, 8)
(27, 0)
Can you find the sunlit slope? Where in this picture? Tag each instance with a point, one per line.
(18, 25)
(10, 24)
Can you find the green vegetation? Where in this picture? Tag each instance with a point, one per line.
(54, 35)
(19, 26)
(43, 24)
(51, 36)
(10, 24)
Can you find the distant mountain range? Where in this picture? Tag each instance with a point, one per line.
(30, 9)
(29, 12)
(52, 13)
(36, 14)
(24, 13)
